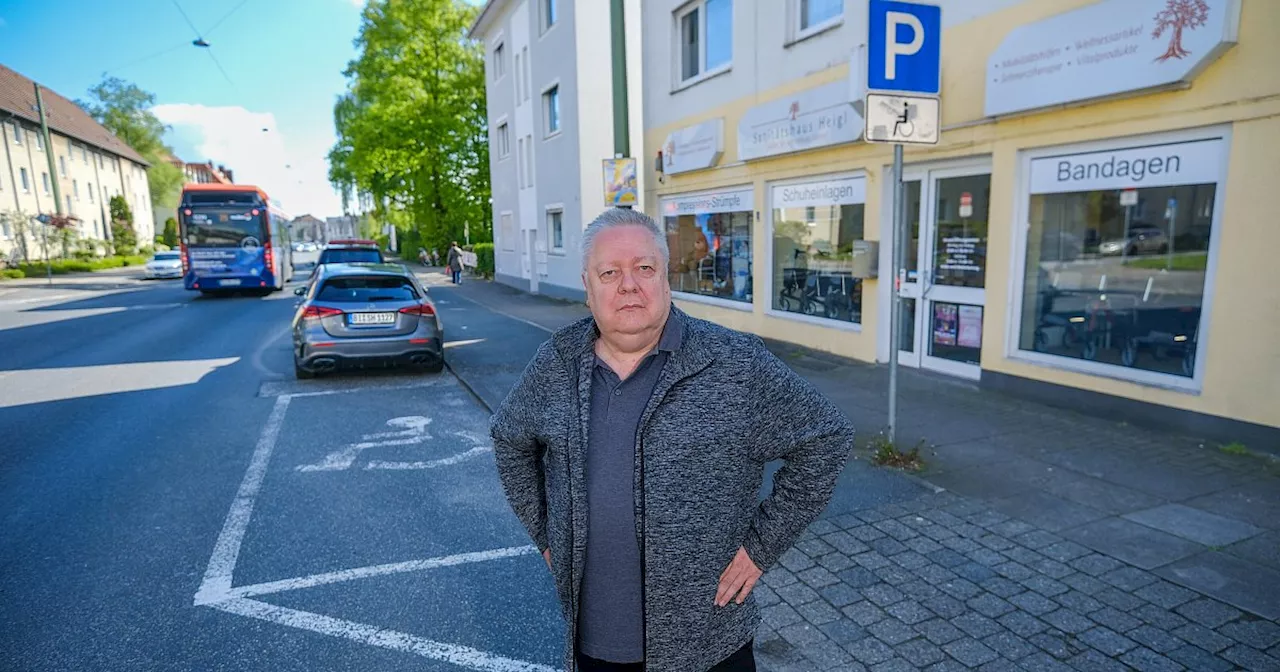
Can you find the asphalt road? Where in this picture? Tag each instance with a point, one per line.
(172, 499)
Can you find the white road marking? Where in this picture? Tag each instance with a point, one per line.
(298, 389)
(429, 464)
(217, 578)
(457, 344)
(380, 570)
(37, 386)
(463, 656)
(216, 590)
(414, 432)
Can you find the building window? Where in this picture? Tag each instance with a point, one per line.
(706, 38)
(62, 166)
(499, 67)
(106, 195)
(99, 160)
(555, 230)
(814, 227)
(89, 190)
(75, 189)
(113, 167)
(528, 160)
(26, 183)
(84, 155)
(551, 110)
(507, 231)
(709, 235)
(17, 132)
(519, 80)
(520, 163)
(814, 15)
(5, 231)
(1117, 257)
(39, 141)
(548, 14)
(67, 198)
(44, 177)
(525, 73)
(502, 139)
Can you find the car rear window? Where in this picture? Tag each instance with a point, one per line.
(351, 257)
(367, 290)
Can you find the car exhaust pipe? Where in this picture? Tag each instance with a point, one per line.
(418, 359)
(323, 364)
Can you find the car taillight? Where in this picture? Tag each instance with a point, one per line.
(318, 312)
(269, 257)
(420, 309)
(185, 265)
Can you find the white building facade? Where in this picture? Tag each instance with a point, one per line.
(548, 79)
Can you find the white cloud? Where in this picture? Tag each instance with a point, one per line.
(235, 137)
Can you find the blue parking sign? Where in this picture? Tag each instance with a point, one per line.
(904, 50)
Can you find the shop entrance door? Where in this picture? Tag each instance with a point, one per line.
(944, 296)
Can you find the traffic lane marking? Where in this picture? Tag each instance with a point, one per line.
(216, 589)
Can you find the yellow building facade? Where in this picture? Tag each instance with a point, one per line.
(1094, 227)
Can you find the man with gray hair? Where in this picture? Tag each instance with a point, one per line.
(633, 449)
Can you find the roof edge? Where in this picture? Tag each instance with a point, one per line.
(486, 17)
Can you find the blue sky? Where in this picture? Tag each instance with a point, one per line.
(284, 59)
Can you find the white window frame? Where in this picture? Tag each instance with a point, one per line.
(496, 59)
(741, 306)
(44, 182)
(547, 131)
(26, 180)
(767, 284)
(554, 209)
(17, 132)
(545, 9)
(798, 33)
(502, 137)
(508, 241)
(39, 141)
(678, 44)
(1012, 350)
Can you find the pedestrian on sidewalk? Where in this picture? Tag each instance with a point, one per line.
(632, 450)
(455, 263)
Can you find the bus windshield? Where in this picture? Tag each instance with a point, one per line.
(224, 227)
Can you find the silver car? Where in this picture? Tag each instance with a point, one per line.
(365, 315)
(164, 265)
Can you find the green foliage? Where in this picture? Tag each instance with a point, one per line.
(120, 209)
(12, 274)
(484, 259)
(411, 126)
(62, 266)
(125, 109)
(170, 235)
(1234, 448)
(887, 454)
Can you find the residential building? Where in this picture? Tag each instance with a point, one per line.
(346, 226)
(306, 228)
(204, 173)
(550, 109)
(1073, 237)
(91, 165)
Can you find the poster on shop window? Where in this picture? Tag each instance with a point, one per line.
(970, 335)
(945, 325)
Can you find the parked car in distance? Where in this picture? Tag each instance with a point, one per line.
(360, 315)
(164, 265)
(1142, 239)
(349, 251)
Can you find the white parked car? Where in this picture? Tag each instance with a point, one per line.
(164, 265)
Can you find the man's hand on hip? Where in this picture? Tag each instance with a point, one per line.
(738, 579)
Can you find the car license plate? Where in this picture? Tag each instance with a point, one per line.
(228, 283)
(373, 318)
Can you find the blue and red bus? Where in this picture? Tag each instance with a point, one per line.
(233, 239)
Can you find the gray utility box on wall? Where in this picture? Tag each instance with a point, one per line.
(866, 259)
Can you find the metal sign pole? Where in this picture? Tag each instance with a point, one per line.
(895, 312)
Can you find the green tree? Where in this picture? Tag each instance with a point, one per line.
(125, 109)
(123, 237)
(170, 237)
(411, 127)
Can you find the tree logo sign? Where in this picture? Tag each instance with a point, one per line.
(1176, 17)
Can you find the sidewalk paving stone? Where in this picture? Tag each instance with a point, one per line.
(1194, 525)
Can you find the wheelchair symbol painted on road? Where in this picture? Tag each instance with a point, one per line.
(404, 431)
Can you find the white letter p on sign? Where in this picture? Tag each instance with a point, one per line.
(893, 48)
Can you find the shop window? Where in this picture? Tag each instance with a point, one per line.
(705, 31)
(709, 236)
(1117, 256)
(957, 332)
(814, 227)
